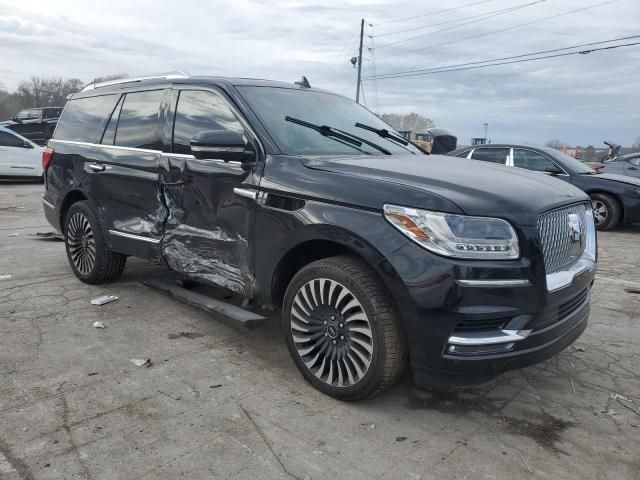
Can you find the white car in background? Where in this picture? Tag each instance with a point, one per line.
(19, 158)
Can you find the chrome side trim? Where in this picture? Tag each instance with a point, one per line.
(131, 236)
(489, 338)
(48, 204)
(211, 149)
(116, 147)
(246, 192)
(494, 283)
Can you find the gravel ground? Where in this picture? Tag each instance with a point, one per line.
(225, 403)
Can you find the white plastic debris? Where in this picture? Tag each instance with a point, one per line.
(104, 299)
(5, 277)
(141, 362)
(99, 324)
(13, 234)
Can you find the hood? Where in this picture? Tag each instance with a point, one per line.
(477, 188)
(618, 178)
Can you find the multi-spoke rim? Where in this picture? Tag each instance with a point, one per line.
(600, 211)
(331, 332)
(82, 243)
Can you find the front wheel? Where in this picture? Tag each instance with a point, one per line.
(606, 210)
(87, 252)
(342, 330)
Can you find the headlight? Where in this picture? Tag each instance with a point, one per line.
(457, 236)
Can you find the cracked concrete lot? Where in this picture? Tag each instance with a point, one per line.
(225, 403)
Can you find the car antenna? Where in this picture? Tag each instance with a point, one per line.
(304, 82)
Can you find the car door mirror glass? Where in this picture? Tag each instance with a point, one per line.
(226, 145)
(553, 170)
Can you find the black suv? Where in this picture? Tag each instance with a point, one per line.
(303, 199)
(36, 124)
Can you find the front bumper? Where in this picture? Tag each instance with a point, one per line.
(467, 322)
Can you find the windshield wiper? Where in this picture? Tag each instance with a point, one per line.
(384, 133)
(331, 132)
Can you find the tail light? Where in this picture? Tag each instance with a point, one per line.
(597, 167)
(47, 155)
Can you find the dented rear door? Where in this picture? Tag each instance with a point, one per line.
(211, 203)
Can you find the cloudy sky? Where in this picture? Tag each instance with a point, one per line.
(579, 99)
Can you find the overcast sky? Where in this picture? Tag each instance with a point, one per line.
(580, 99)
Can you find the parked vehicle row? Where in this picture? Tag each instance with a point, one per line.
(36, 124)
(302, 199)
(20, 158)
(615, 198)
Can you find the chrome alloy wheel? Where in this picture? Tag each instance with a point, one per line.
(331, 332)
(81, 242)
(600, 211)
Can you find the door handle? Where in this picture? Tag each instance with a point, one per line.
(96, 167)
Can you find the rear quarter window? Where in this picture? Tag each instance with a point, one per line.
(84, 119)
(138, 120)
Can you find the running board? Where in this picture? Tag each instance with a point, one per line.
(230, 314)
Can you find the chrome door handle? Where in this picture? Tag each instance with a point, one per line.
(96, 167)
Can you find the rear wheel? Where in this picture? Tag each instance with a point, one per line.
(88, 255)
(606, 210)
(342, 330)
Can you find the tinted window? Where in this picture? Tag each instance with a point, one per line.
(635, 161)
(197, 112)
(52, 112)
(83, 120)
(110, 132)
(138, 122)
(531, 160)
(23, 114)
(494, 155)
(8, 140)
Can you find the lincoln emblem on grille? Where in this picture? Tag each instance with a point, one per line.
(575, 234)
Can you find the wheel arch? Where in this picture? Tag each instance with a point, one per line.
(74, 196)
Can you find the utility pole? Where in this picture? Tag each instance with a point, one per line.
(360, 61)
(486, 125)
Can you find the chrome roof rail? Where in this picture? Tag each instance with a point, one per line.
(155, 76)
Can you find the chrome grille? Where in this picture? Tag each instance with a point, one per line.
(560, 245)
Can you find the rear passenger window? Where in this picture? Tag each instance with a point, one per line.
(8, 140)
(110, 132)
(494, 155)
(197, 112)
(83, 120)
(138, 122)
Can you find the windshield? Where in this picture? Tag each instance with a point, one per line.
(570, 163)
(272, 105)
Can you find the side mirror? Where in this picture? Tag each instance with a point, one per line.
(553, 170)
(27, 145)
(224, 145)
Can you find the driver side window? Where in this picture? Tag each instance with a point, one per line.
(199, 111)
(532, 160)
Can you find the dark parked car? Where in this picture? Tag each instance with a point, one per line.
(615, 198)
(302, 199)
(36, 124)
(623, 165)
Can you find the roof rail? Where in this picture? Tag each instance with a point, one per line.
(165, 76)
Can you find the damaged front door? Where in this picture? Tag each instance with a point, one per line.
(211, 202)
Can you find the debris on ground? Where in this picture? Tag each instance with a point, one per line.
(190, 335)
(91, 374)
(14, 234)
(47, 236)
(104, 299)
(632, 290)
(400, 439)
(617, 396)
(572, 386)
(170, 396)
(218, 385)
(5, 277)
(579, 349)
(99, 324)
(141, 362)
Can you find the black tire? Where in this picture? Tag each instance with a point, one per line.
(607, 211)
(365, 364)
(88, 255)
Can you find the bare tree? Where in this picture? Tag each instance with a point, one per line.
(41, 92)
(557, 144)
(413, 122)
(589, 154)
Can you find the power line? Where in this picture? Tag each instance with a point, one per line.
(454, 68)
(486, 16)
(503, 29)
(511, 57)
(421, 27)
(431, 13)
